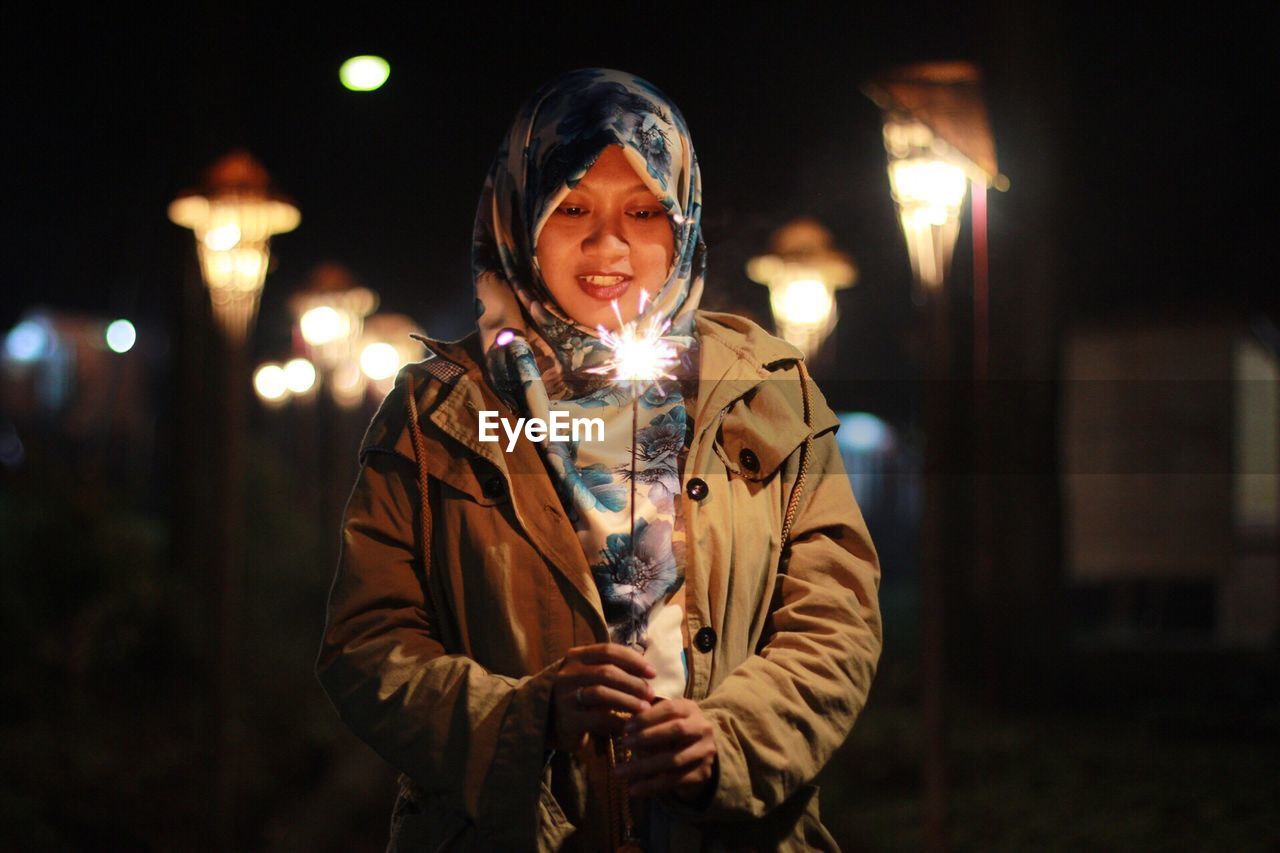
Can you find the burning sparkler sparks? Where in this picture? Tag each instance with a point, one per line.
(640, 356)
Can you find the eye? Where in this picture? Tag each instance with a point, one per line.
(645, 215)
(571, 210)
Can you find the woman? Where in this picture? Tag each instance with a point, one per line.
(653, 637)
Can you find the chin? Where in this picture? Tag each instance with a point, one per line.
(604, 316)
(610, 322)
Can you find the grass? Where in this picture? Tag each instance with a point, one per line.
(1079, 780)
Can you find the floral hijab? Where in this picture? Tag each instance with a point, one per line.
(620, 493)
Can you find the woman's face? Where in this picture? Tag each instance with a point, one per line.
(609, 239)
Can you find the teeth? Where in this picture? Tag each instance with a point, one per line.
(604, 280)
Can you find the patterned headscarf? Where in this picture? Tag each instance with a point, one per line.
(556, 137)
(536, 353)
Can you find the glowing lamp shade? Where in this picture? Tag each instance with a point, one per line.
(386, 346)
(299, 375)
(121, 336)
(929, 185)
(324, 324)
(234, 218)
(929, 191)
(330, 309)
(270, 383)
(803, 273)
(379, 360)
(364, 73)
(803, 301)
(223, 238)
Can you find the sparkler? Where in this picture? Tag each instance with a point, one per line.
(640, 359)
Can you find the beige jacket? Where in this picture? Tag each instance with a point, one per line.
(448, 674)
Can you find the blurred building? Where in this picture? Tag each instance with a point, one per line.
(1170, 439)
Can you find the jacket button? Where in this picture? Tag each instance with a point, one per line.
(493, 487)
(705, 640)
(747, 459)
(697, 489)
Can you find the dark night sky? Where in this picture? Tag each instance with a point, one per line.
(1125, 137)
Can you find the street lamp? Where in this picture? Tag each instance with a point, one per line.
(938, 142)
(234, 216)
(803, 272)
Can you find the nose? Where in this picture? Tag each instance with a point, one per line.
(606, 239)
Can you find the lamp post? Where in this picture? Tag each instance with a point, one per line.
(330, 311)
(803, 271)
(938, 142)
(234, 215)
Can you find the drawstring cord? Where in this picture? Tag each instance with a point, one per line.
(420, 456)
(793, 505)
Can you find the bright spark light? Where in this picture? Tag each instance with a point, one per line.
(640, 356)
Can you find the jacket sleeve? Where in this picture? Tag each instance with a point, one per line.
(474, 738)
(780, 715)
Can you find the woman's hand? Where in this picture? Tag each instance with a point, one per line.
(592, 683)
(674, 750)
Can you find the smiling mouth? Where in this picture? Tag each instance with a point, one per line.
(604, 287)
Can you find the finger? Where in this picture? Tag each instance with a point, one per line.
(668, 761)
(598, 696)
(664, 736)
(611, 675)
(608, 675)
(622, 656)
(660, 711)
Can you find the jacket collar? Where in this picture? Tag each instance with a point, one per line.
(735, 355)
